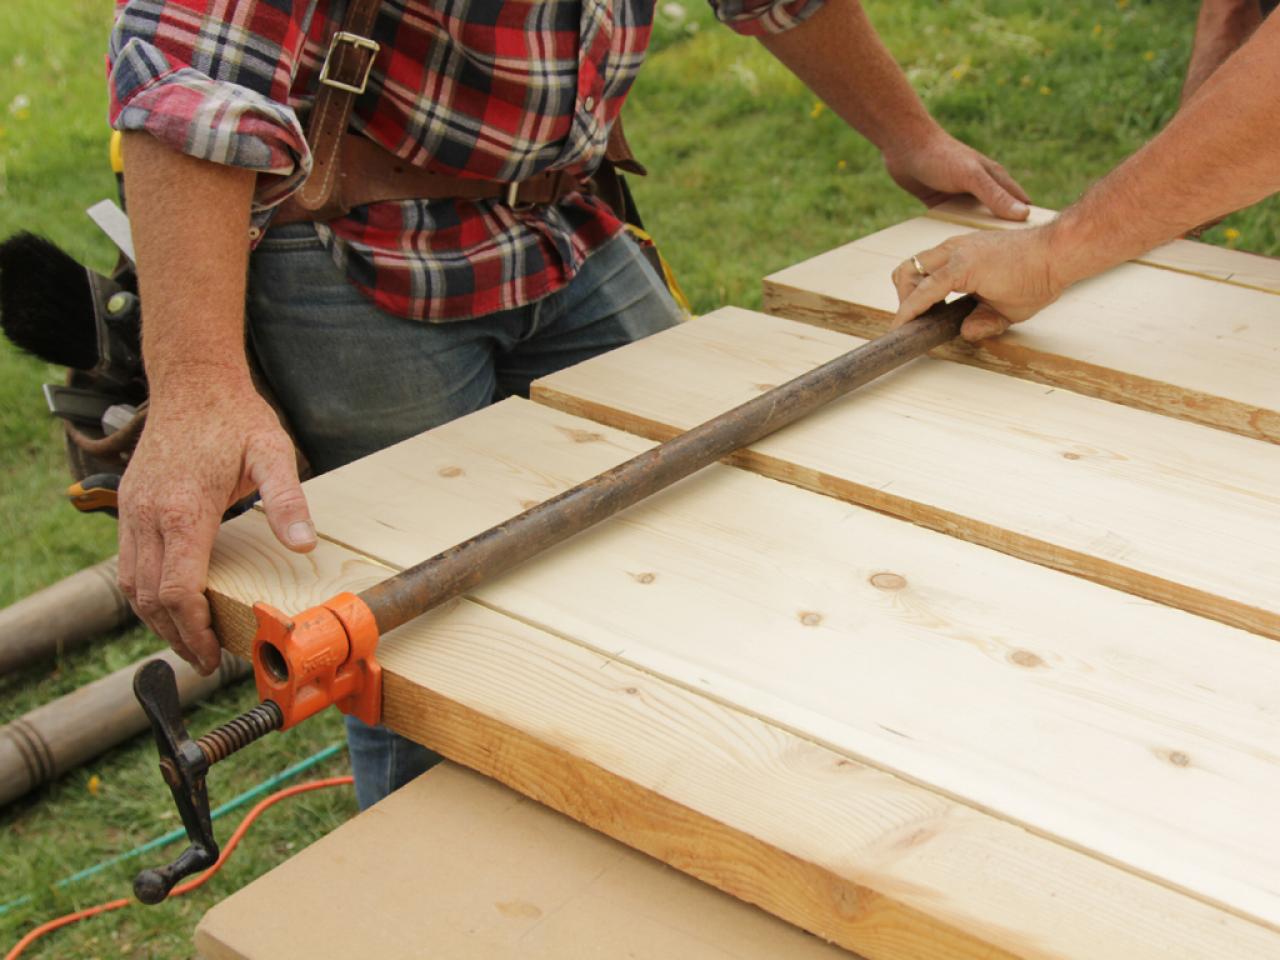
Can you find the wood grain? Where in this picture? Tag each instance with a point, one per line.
(1001, 683)
(1158, 340)
(1207, 260)
(1157, 507)
(871, 861)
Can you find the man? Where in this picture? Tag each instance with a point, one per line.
(396, 316)
(1217, 155)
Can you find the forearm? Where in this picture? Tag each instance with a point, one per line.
(1221, 28)
(190, 222)
(1218, 154)
(838, 55)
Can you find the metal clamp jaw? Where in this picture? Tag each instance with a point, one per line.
(302, 664)
(320, 657)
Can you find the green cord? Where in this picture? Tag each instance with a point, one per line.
(176, 834)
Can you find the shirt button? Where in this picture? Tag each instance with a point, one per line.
(254, 233)
(589, 103)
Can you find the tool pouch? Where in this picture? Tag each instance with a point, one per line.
(117, 380)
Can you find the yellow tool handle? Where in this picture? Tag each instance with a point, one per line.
(95, 493)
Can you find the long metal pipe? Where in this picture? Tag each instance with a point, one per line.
(460, 568)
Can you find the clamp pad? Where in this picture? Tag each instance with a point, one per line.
(322, 656)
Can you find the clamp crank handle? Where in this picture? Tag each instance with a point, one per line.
(183, 765)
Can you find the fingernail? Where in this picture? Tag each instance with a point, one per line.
(1021, 209)
(300, 532)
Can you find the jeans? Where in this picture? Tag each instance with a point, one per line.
(353, 379)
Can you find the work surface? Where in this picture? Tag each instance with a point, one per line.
(966, 665)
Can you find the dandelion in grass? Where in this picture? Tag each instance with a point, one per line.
(1231, 235)
(94, 785)
(816, 110)
(1149, 56)
(842, 165)
(1045, 91)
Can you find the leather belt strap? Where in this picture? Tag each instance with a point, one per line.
(367, 173)
(349, 170)
(345, 71)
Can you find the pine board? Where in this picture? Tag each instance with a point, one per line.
(1180, 345)
(1032, 694)
(514, 881)
(868, 860)
(1207, 260)
(1162, 508)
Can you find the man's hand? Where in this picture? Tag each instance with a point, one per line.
(1011, 272)
(838, 55)
(188, 468)
(942, 167)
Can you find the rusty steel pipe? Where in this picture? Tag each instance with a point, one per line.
(452, 572)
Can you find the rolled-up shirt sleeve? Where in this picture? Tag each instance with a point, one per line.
(214, 85)
(755, 18)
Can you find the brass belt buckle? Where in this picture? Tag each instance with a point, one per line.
(512, 198)
(360, 43)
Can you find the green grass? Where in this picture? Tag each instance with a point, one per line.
(747, 178)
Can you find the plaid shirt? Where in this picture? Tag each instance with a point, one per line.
(493, 89)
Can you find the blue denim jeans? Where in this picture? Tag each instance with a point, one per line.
(354, 379)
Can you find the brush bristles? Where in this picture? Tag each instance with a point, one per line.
(46, 303)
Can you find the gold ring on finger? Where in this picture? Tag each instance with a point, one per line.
(915, 262)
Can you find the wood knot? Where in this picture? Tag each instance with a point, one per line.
(518, 909)
(529, 504)
(644, 577)
(450, 471)
(1070, 456)
(809, 618)
(581, 436)
(765, 387)
(888, 581)
(1179, 759)
(633, 691)
(1025, 658)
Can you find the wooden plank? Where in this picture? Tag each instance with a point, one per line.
(1064, 480)
(1032, 694)
(1158, 340)
(481, 873)
(862, 858)
(1252, 270)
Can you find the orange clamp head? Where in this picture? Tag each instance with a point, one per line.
(319, 657)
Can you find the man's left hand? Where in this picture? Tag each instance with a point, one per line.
(943, 168)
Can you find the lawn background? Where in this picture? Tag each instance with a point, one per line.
(749, 174)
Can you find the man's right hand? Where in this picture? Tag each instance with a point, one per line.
(205, 447)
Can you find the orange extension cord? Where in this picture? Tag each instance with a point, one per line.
(190, 885)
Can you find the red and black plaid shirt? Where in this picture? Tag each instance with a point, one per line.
(494, 89)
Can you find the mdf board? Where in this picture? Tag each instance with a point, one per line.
(864, 726)
(457, 867)
(1159, 507)
(1174, 343)
(1184, 256)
